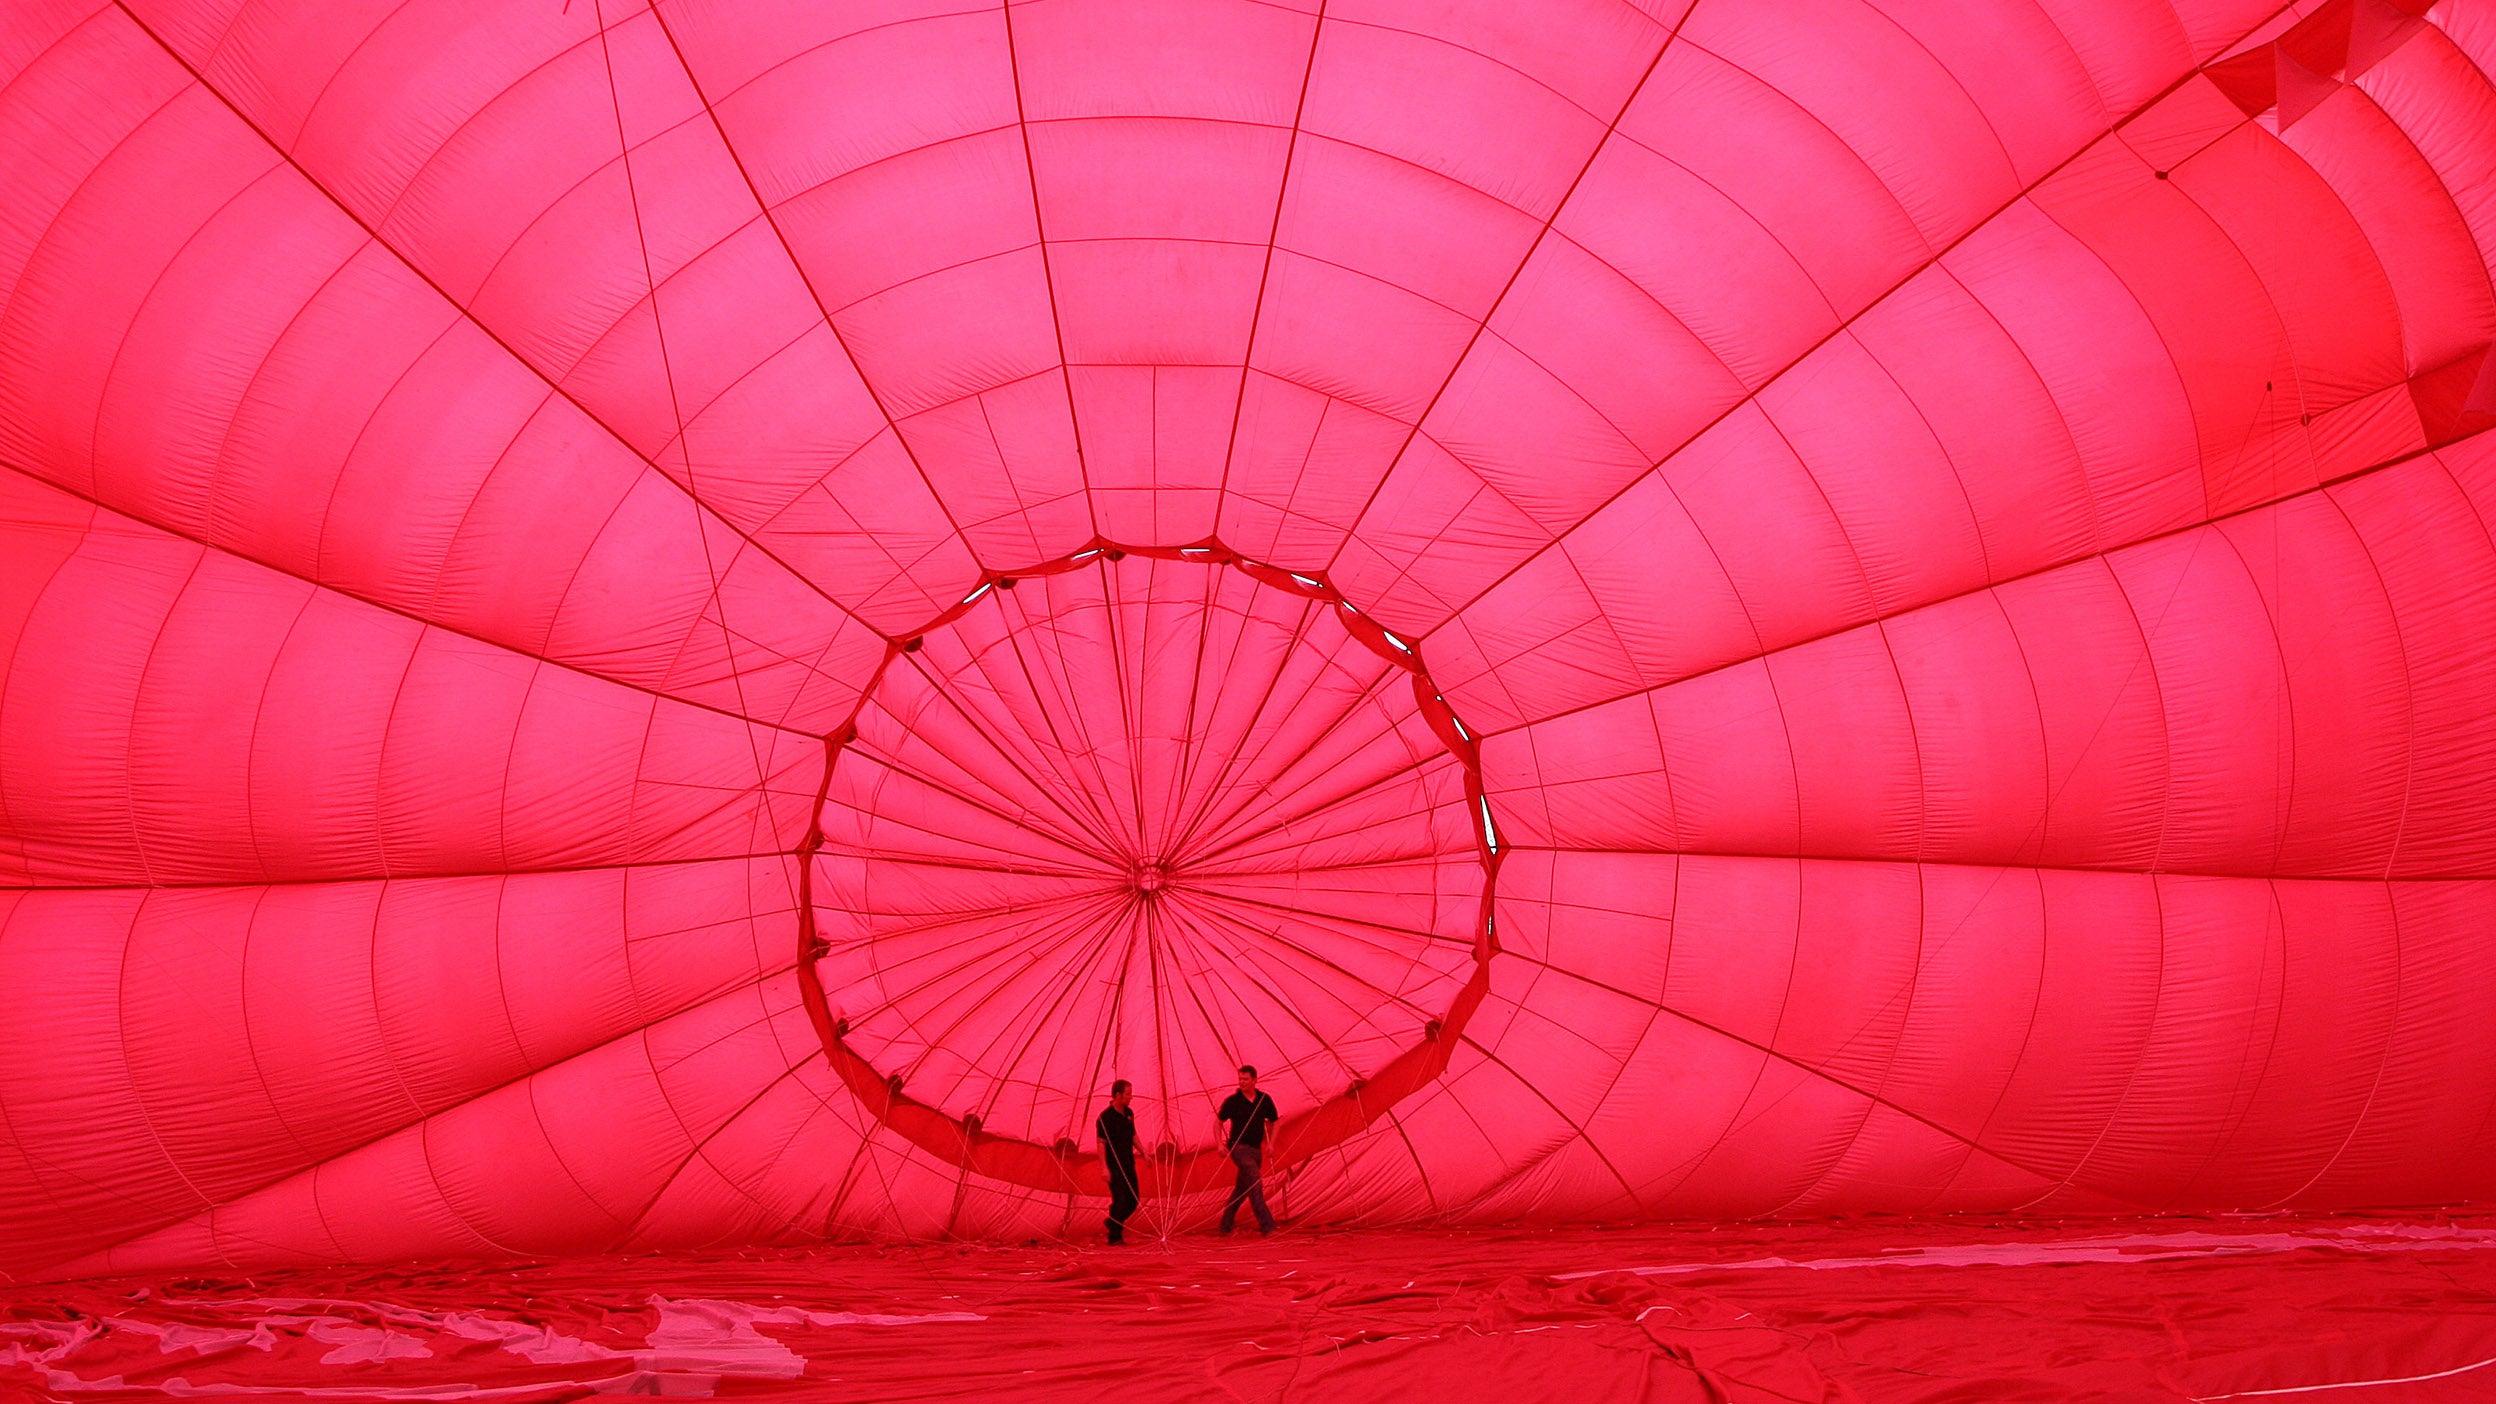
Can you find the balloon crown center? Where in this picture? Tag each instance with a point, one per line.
(1101, 786)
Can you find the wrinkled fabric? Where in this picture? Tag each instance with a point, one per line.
(1865, 1312)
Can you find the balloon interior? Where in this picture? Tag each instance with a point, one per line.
(1814, 683)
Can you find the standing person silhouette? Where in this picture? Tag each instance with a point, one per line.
(1245, 1114)
(1116, 1128)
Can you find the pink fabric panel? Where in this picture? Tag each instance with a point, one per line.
(330, 1015)
(2123, 712)
(1856, 1012)
(1155, 155)
(1922, 433)
(406, 480)
(608, 179)
(888, 158)
(566, 1160)
(268, 730)
(1731, 107)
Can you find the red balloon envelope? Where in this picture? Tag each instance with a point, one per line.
(634, 627)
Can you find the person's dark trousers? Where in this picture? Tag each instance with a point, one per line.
(1250, 1186)
(1123, 1197)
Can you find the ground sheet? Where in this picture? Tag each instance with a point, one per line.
(2336, 1311)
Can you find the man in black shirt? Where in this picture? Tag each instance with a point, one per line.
(1116, 1128)
(1245, 1114)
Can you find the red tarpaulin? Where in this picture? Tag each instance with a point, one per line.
(634, 629)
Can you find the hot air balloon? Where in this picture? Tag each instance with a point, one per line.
(629, 628)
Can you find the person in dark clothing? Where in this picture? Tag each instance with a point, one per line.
(1245, 1114)
(1116, 1128)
